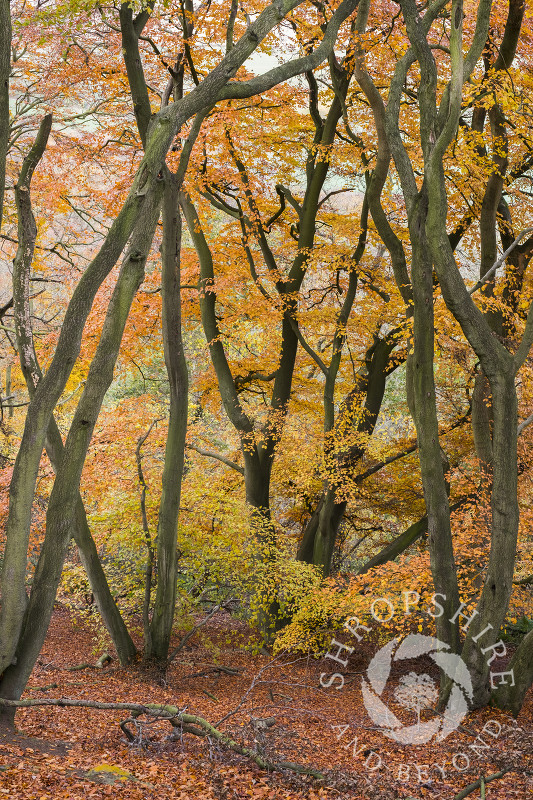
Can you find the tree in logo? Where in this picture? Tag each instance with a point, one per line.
(416, 691)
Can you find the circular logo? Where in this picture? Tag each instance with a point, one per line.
(416, 692)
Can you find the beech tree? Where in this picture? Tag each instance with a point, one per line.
(441, 109)
(429, 138)
(23, 621)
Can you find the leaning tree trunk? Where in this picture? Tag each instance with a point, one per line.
(27, 231)
(61, 514)
(48, 391)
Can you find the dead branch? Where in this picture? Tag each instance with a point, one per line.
(480, 783)
(104, 659)
(187, 723)
(218, 668)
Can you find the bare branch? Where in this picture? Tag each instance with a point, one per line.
(497, 264)
(217, 456)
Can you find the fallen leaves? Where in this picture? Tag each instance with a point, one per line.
(70, 754)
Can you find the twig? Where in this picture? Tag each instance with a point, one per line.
(191, 633)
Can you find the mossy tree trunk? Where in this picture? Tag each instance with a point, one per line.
(427, 209)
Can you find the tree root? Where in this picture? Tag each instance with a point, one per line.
(187, 723)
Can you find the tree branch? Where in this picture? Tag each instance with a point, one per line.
(189, 723)
(217, 456)
(498, 263)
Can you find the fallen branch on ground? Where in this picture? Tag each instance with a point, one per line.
(104, 659)
(187, 723)
(480, 781)
(215, 668)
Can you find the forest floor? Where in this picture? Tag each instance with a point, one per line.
(83, 753)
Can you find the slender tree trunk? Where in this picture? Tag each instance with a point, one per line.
(90, 560)
(423, 406)
(5, 69)
(320, 535)
(61, 514)
(165, 600)
(498, 583)
(8, 389)
(31, 370)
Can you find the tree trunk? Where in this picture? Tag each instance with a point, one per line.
(61, 514)
(423, 406)
(41, 407)
(330, 518)
(498, 584)
(5, 70)
(31, 370)
(165, 600)
(321, 532)
(509, 690)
